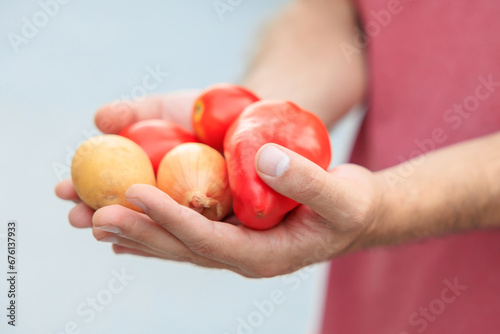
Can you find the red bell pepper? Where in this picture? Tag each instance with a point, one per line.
(255, 204)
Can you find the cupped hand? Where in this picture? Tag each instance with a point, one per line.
(113, 117)
(338, 212)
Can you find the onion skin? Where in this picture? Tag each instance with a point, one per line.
(195, 175)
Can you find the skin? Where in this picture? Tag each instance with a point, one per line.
(343, 210)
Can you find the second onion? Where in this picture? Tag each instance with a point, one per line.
(195, 175)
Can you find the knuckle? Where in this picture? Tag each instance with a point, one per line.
(142, 238)
(271, 269)
(183, 258)
(311, 188)
(267, 272)
(359, 215)
(99, 234)
(137, 231)
(202, 247)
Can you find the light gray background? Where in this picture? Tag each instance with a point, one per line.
(89, 53)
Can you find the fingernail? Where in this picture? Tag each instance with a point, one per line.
(109, 228)
(112, 239)
(273, 161)
(137, 202)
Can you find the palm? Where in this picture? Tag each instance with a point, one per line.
(304, 237)
(178, 233)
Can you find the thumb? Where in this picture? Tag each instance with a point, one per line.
(174, 106)
(298, 178)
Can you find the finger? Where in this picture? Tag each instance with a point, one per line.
(140, 229)
(175, 106)
(103, 236)
(66, 190)
(119, 249)
(300, 179)
(255, 253)
(215, 240)
(81, 216)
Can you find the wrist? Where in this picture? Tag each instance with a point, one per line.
(378, 230)
(330, 85)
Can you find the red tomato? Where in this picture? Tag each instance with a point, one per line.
(255, 204)
(216, 109)
(157, 137)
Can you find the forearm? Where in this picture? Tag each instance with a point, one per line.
(300, 59)
(446, 191)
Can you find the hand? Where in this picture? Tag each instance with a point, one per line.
(112, 118)
(338, 211)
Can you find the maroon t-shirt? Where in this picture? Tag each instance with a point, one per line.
(434, 81)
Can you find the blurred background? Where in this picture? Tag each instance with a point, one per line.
(59, 61)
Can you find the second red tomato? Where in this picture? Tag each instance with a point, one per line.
(157, 137)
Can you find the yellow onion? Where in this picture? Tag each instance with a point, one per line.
(195, 175)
